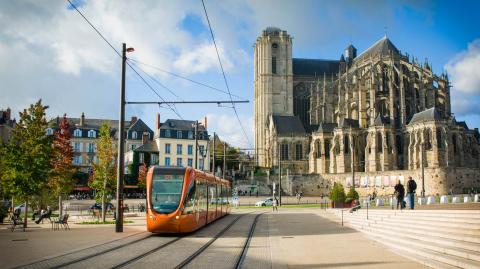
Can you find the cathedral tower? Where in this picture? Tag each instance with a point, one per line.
(273, 83)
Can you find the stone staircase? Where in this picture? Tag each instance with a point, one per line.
(436, 238)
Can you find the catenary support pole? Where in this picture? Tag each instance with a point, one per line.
(279, 177)
(213, 161)
(196, 145)
(120, 158)
(224, 158)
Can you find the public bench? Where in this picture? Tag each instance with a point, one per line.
(16, 220)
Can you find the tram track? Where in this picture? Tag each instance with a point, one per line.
(241, 257)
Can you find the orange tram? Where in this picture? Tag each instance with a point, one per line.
(182, 200)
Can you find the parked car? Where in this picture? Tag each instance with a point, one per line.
(21, 207)
(266, 202)
(109, 206)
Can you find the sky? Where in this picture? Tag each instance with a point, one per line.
(48, 51)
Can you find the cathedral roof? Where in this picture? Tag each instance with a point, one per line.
(382, 47)
(272, 29)
(312, 67)
(326, 127)
(430, 114)
(288, 125)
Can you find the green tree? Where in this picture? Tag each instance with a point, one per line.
(351, 195)
(103, 179)
(60, 182)
(26, 158)
(337, 194)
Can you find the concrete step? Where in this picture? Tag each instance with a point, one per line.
(423, 256)
(413, 232)
(466, 223)
(424, 243)
(410, 246)
(452, 218)
(443, 226)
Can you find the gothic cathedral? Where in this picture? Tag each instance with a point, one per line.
(375, 112)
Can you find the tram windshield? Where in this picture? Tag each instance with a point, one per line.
(166, 192)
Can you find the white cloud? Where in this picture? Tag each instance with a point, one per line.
(201, 59)
(464, 69)
(228, 128)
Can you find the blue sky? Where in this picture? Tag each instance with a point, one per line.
(65, 63)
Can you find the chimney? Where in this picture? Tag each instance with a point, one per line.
(82, 119)
(9, 112)
(145, 138)
(134, 119)
(205, 123)
(157, 121)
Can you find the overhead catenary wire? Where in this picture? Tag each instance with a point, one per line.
(183, 77)
(120, 55)
(223, 73)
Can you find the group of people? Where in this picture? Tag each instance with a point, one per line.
(400, 193)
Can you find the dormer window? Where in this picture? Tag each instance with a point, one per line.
(167, 133)
(179, 134)
(92, 134)
(77, 133)
(134, 135)
(190, 135)
(49, 131)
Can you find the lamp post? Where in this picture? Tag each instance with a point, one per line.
(121, 145)
(422, 145)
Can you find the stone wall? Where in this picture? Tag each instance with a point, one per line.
(437, 181)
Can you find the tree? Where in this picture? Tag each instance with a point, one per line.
(104, 177)
(26, 158)
(337, 194)
(142, 176)
(61, 175)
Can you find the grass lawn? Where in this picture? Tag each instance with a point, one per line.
(283, 206)
(106, 222)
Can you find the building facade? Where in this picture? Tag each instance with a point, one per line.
(174, 145)
(85, 132)
(6, 125)
(379, 111)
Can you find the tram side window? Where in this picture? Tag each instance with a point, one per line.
(190, 198)
(212, 194)
(202, 195)
(220, 197)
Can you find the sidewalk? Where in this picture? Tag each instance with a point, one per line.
(40, 242)
(307, 238)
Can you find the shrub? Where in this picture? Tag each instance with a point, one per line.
(352, 194)
(337, 194)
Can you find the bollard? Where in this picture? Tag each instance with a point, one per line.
(342, 218)
(367, 211)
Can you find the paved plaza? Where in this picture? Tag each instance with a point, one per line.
(290, 238)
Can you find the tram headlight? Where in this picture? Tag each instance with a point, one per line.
(177, 217)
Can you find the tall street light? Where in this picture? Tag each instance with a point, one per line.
(121, 146)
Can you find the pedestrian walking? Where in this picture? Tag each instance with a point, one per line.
(399, 194)
(411, 187)
(275, 204)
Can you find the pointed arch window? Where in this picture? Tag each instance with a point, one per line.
(134, 135)
(49, 131)
(274, 65)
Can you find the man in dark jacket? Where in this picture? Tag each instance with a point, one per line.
(411, 187)
(399, 194)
